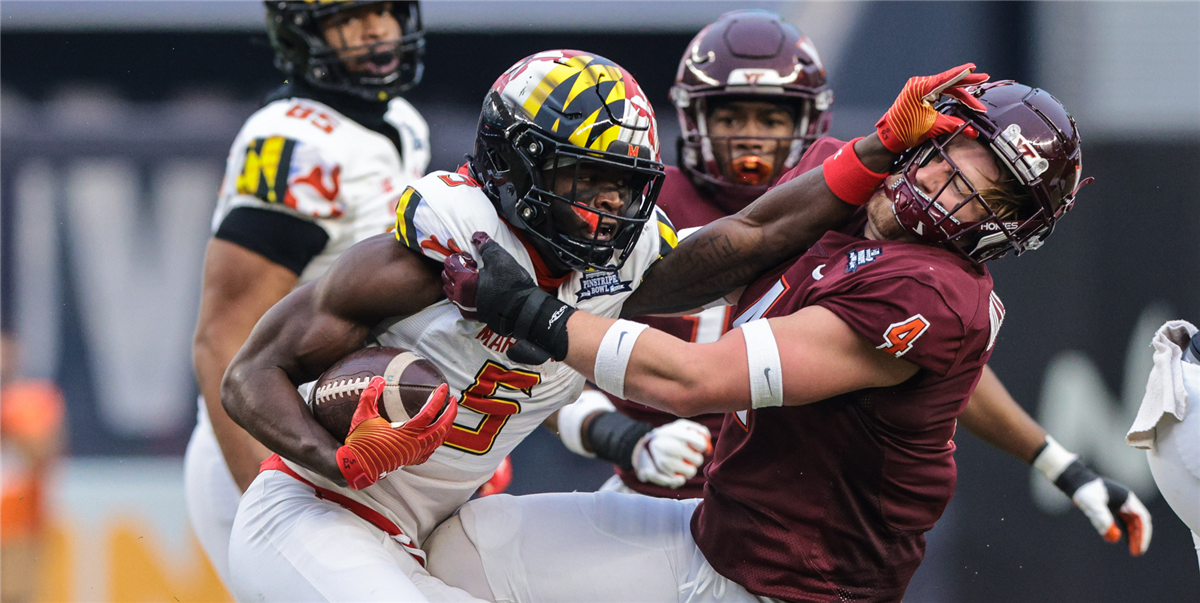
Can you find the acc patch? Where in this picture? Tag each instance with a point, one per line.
(265, 172)
(861, 257)
(596, 283)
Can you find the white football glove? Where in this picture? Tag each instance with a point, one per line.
(671, 454)
(1111, 507)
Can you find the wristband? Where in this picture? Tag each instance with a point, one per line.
(766, 372)
(848, 178)
(572, 416)
(1052, 460)
(613, 356)
(614, 436)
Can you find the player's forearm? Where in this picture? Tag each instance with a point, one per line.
(994, 416)
(663, 372)
(264, 401)
(733, 251)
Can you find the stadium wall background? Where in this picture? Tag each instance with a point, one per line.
(113, 147)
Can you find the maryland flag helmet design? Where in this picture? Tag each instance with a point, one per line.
(555, 129)
(378, 70)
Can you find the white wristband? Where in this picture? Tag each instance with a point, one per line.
(766, 372)
(613, 356)
(571, 417)
(1054, 459)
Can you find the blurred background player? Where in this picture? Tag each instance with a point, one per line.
(751, 96)
(318, 168)
(31, 437)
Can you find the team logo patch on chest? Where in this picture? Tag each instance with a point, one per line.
(596, 283)
(861, 257)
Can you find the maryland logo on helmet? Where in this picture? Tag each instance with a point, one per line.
(585, 98)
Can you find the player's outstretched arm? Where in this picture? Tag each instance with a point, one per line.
(307, 332)
(239, 287)
(733, 251)
(994, 416)
(822, 356)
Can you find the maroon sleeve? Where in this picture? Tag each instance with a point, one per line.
(900, 314)
(813, 157)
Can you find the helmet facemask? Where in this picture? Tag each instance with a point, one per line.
(1036, 147)
(938, 211)
(711, 158)
(384, 68)
(560, 207)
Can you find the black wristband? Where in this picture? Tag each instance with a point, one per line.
(613, 437)
(1073, 477)
(540, 319)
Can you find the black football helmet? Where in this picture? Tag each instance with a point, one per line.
(569, 109)
(1033, 140)
(302, 52)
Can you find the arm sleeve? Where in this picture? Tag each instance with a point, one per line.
(286, 239)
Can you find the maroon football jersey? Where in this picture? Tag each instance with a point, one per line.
(688, 207)
(830, 501)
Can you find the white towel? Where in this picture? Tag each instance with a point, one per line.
(1165, 392)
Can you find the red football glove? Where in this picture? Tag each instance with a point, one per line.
(460, 280)
(912, 118)
(376, 447)
(499, 481)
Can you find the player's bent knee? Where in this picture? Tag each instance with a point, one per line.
(455, 560)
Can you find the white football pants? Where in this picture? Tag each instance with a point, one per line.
(212, 495)
(289, 546)
(1175, 461)
(601, 546)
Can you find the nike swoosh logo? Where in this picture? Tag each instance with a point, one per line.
(816, 273)
(767, 374)
(620, 339)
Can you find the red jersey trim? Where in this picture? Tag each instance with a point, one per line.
(375, 518)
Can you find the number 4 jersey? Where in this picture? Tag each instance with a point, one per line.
(833, 498)
(500, 401)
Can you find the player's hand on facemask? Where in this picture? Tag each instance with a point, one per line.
(671, 454)
(1111, 507)
(912, 119)
(376, 447)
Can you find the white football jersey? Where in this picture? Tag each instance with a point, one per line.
(302, 157)
(500, 401)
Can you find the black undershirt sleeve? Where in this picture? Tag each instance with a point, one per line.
(613, 436)
(290, 241)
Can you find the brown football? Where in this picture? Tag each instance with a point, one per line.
(410, 379)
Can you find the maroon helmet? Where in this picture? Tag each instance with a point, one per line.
(1030, 135)
(748, 54)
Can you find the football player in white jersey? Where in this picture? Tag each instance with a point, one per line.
(564, 176)
(318, 168)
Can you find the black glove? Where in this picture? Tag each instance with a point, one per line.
(511, 304)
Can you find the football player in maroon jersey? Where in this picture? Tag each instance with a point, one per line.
(838, 454)
(751, 96)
